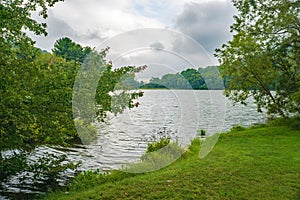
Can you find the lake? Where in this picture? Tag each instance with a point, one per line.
(123, 138)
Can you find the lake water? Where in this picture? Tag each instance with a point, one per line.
(123, 138)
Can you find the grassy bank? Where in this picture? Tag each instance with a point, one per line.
(257, 163)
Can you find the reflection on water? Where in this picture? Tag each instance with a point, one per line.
(123, 138)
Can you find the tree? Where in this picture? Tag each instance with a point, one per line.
(16, 56)
(264, 54)
(186, 79)
(69, 50)
(194, 78)
(15, 18)
(36, 88)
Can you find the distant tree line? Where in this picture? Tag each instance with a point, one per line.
(195, 79)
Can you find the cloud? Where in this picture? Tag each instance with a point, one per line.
(91, 22)
(56, 28)
(156, 49)
(102, 23)
(157, 46)
(208, 23)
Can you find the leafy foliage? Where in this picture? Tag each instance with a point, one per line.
(99, 88)
(117, 82)
(17, 70)
(152, 86)
(293, 122)
(13, 164)
(194, 78)
(15, 18)
(36, 99)
(69, 50)
(201, 133)
(39, 110)
(237, 128)
(160, 139)
(264, 55)
(36, 90)
(48, 169)
(162, 150)
(154, 146)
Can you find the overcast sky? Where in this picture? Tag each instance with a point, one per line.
(166, 35)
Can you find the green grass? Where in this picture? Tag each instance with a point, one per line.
(257, 163)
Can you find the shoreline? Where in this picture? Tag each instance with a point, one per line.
(246, 162)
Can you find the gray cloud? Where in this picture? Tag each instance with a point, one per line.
(99, 25)
(208, 23)
(157, 46)
(56, 29)
(176, 51)
(91, 22)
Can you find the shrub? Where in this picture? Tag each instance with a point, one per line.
(160, 139)
(237, 128)
(162, 150)
(202, 133)
(293, 122)
(154, 146)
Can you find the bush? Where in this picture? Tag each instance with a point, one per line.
(202, 133)
(154, 146)
(171, 151)
(237, 128)
(293, 122)
(160, 139)
(162, 150)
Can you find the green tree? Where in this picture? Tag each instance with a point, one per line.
(264, 54)
(36, 88)
(16, 56)
(15, 18)
(186, 79)
(70, 50)
(194, 78)
(213, 76)
(38, 111)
